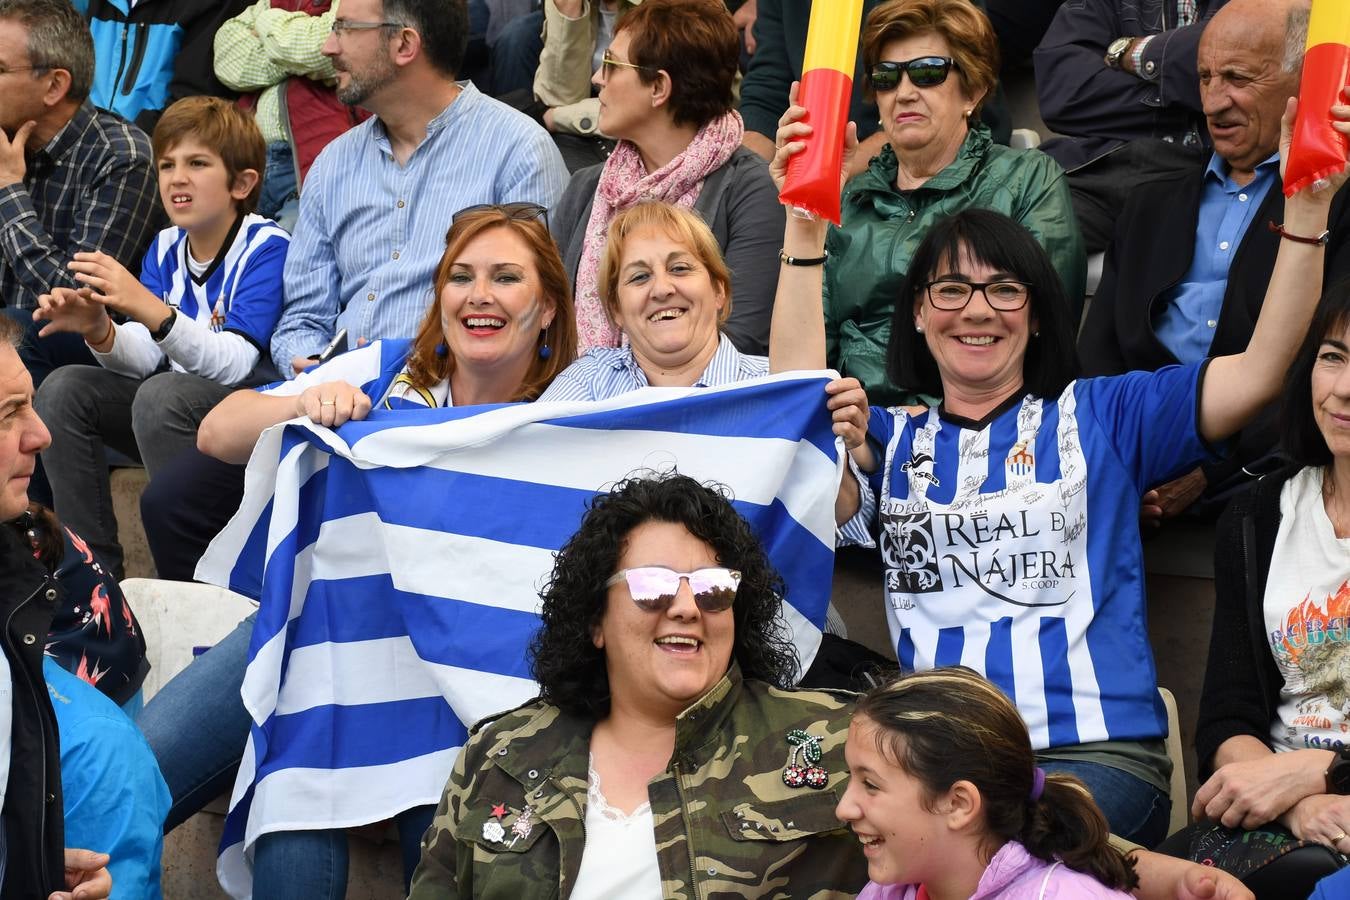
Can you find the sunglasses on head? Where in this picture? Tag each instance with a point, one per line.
(653, 588)
(924, 72)
(520, 212)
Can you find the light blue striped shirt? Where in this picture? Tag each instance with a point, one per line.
(371, 231)
(606, 372)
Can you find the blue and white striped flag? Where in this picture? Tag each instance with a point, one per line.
(398, 563)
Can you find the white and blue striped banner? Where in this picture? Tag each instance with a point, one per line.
(398, 563)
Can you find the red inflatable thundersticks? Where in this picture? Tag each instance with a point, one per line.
(1318, 150)
(812, 182)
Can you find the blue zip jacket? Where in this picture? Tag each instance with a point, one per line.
(115, 799)
(147, 56)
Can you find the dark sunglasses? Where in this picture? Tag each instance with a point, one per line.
(653, 588)
(924, 72)
(520, 212)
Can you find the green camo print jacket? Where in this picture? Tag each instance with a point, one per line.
(726, 824)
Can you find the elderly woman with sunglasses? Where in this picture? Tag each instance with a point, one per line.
(499, 328)
(664, 756)
(931, 64)
(666, 93)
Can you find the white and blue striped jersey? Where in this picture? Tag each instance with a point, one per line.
(240, 292)
(1012, 546)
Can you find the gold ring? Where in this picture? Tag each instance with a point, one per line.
(328, 403)
(1340, 837)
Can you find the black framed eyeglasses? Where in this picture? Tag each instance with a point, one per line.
(653, 588)
(608, 63)
(924, 72)
(953, 294)
(344, 26)
(520, 211)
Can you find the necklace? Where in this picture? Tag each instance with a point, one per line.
(1332, 502)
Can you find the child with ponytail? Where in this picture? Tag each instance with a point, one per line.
(948, 802)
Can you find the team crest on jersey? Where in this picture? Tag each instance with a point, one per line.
(218, 315)
(920, 466)
(1020, 461)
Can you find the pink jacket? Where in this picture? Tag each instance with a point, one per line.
(1014, 874)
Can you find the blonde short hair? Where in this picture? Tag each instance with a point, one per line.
(679, 224)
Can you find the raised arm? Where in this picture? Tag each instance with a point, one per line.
(797, 333)
(1237, 386)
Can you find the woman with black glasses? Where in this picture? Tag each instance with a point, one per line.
(931, 64)
(666, 94)
(1008, 513)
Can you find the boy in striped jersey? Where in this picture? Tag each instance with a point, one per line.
(192, 328)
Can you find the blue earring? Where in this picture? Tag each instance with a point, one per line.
(545, 351)
(442, 350)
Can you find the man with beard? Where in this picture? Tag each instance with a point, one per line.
(379, 199)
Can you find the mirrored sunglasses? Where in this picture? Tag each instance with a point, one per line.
(653, 588)
(924, 72)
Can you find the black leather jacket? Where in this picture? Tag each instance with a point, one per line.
(33, 821)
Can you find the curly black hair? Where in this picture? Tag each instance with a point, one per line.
(570, 669)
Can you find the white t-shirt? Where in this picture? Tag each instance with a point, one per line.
(1307, 619)
(619, 859)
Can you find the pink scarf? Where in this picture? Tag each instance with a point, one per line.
(623, 182)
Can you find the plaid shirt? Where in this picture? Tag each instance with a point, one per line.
(261, 47)
(93, 187)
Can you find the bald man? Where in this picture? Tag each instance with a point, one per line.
(1188, 266)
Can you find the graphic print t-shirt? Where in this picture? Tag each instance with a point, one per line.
(1307, 613)
(1012, 545)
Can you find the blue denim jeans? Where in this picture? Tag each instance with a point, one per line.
(280, 197)
(1136, 810)
(197, 727)
(515, 55)
(313, 864)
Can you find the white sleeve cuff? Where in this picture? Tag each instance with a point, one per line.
(856, 532)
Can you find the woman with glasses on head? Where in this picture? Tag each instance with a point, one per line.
(498, 330)
(931, 64)
(1009, 513)
(666, 93)
(665, 756)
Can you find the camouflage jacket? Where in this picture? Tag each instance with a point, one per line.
(726, 823)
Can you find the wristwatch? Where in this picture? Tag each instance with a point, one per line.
(1338, 774)
(164, 328)
(1116, 50)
